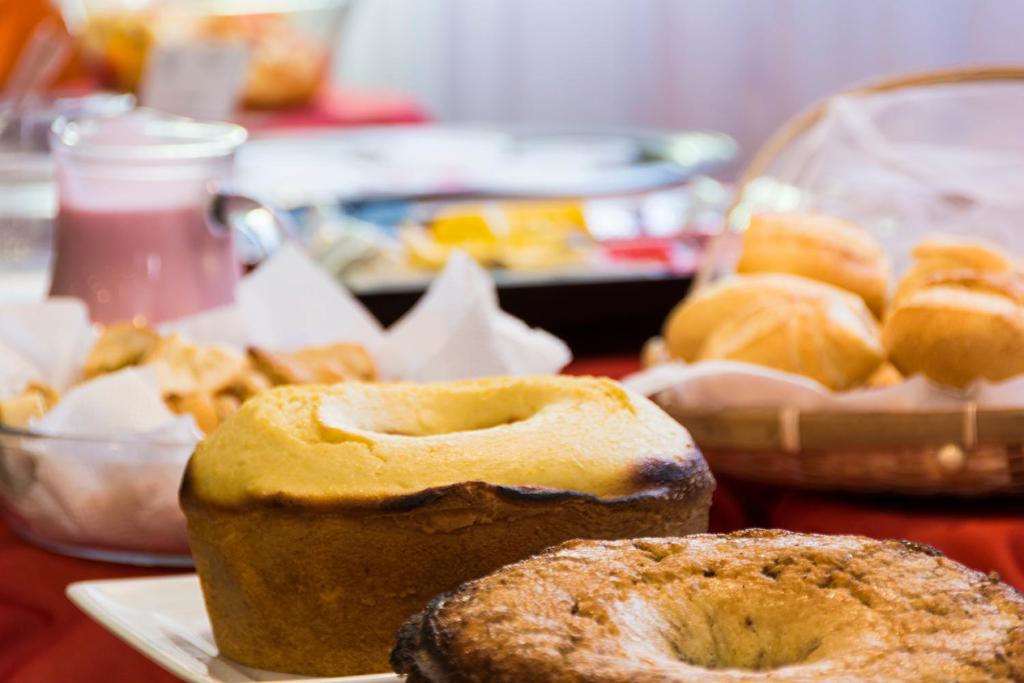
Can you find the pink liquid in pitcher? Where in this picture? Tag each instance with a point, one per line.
(161, 263)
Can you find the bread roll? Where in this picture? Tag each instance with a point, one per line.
(820, 247)
(941, 254)
(956, 335)
(696, 316)
(1009, 285)
(785, 322)
(654, 352)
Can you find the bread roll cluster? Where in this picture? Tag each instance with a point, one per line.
(812, 297)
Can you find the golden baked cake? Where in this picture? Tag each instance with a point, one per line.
(750, 606)
(321, 517)
(786, 322)
(821, 247)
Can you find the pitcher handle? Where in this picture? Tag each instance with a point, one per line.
(260, 228)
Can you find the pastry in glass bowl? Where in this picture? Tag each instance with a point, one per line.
(206, 381)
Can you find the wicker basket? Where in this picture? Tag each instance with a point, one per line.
(965, 452)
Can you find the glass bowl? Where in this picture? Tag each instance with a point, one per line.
(290, 43)
(114, 500)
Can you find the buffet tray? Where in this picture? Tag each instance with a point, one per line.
(593, 315)
(164, 619)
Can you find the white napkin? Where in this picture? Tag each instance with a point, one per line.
(126, 402)
(84, 489)
(457, 330)
(224, 325)
(45, 342)
(732, 384)
(289, 302)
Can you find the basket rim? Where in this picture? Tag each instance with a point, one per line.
(793, 430)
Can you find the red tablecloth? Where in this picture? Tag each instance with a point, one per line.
(986, 536)
(45, 639)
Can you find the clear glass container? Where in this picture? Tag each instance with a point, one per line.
(290, 43)
(105, 499)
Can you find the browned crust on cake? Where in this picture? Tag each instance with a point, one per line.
(433, 646)
(652, 478)
(275, 572)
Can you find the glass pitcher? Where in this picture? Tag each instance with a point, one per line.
(135, 237)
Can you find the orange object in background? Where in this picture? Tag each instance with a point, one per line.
(18, 19)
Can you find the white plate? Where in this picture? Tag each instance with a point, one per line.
(164, 618)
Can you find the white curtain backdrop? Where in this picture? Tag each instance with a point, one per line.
(740, 66)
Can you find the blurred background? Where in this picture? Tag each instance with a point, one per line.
(583, 151)
(738, 66)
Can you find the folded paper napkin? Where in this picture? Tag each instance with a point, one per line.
(732, 384)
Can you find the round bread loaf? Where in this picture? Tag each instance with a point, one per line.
(786, 322)
(320, 518)
(955, 335)
(821, 247)
(958, 314)
(751, 606)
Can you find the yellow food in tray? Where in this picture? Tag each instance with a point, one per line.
(514, 235)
